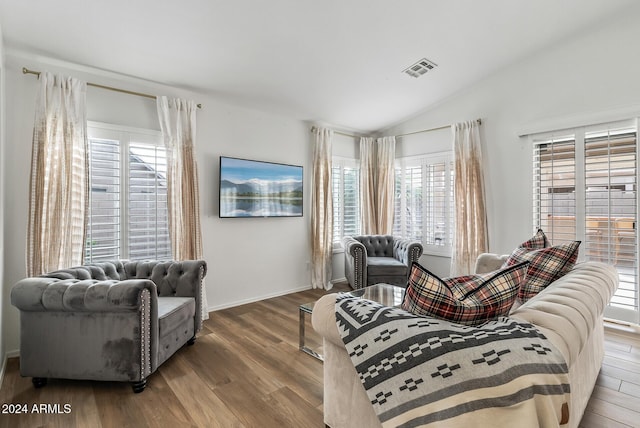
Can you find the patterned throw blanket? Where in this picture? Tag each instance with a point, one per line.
(420, 370)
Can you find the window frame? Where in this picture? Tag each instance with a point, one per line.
(581, 136)
(125, 136)
(424, 161)
(343, 162)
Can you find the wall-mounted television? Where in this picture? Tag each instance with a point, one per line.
(251, 188)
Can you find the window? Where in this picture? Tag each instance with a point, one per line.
(127, 215)
(554, 188)
(345, 182)
(424, 201)
(585, 188)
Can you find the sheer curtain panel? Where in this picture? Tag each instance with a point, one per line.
(178, 124)
(385, 184)
(377, 172)
(59, 176)
(470, 237)
(321, 210)
(368, 186)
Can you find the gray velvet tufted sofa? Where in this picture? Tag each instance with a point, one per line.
(373, 259)
(110, 321)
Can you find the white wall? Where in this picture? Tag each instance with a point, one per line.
(248, 259)
(3, 160)
(592, 72)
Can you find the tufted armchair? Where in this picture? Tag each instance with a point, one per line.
(372, 259)
(111, 321)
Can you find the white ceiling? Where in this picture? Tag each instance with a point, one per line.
(339, 62)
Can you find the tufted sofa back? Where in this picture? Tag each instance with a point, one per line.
(99, 271)
(172, 279)
(377, 245)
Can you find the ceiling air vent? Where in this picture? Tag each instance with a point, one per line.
(420, 68)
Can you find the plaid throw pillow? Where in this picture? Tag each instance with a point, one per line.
(470, 300)
(538, 241)
(546, 264)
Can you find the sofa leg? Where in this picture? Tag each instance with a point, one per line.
(139, 386)
(191, 341)
(39, 382)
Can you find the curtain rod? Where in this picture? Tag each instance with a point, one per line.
(313, 128)
(479, 121)
(25, 70)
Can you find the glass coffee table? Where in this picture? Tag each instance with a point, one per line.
(385, 294)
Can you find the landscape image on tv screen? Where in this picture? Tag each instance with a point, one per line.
(250, 188)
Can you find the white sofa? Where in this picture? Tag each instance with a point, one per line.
(568, 312)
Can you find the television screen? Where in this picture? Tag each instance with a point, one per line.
(250, 188)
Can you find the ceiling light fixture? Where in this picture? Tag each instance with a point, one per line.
(420, 68)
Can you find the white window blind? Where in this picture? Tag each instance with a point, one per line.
(345, 182)
(555, 188)
(585, 188)
(611, 200)
(408, 203)
(103, 220)
(127, 215)
(439, 203)
(424, 201)
(148, 217)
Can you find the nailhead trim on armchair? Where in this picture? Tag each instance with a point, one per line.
(357, 248)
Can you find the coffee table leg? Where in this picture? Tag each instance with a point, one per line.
(301, 344)
(301, 336)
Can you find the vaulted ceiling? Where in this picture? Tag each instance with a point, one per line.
(338, 62)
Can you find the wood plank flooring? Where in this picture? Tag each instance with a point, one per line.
(615, 401)
(245, 370)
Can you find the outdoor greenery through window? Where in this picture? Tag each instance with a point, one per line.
(585, 188)
(127, 215)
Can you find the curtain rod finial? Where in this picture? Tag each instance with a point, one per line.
(25, 70)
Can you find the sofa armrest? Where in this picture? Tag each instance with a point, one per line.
(355, 262)
(41, 294)
(572, 306)
(488, 262)
(323, 319)
(353, 247)
(407, 251)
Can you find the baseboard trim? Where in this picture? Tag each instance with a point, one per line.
(339, 280)
(257, 298)
(3, 368)
(622, 327)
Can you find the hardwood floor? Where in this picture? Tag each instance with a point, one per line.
(615, 401)
(245, 370)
